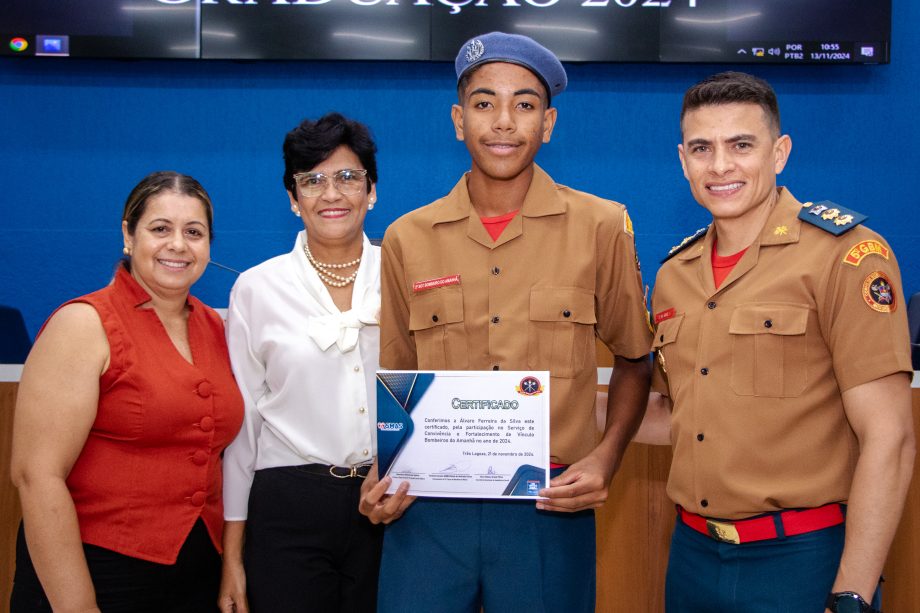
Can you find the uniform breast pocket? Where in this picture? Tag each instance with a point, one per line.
(561, 329)
(436, 320)
(769, 349)
(665, 347)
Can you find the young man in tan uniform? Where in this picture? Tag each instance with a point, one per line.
(783, 378)
(511, 271)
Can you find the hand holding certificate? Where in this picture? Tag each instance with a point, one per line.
(464, 434)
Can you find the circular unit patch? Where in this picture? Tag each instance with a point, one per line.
(878, 293)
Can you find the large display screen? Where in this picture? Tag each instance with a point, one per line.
(722, 31)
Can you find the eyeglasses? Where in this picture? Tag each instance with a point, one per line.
(348, 181)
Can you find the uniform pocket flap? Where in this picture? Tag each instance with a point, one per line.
(435, 308)
(769, 318)
(564, 304)
(666, 333)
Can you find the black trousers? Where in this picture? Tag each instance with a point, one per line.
(128, 585)
(307, 548)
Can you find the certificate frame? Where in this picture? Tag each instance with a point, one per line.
(464, 434)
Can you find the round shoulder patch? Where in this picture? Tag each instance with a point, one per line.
(878, 293)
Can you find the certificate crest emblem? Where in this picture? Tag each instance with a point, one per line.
(529, 386)
(474, 50)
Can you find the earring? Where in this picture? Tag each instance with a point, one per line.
(370, 203)
(126, 251)
(295, 210)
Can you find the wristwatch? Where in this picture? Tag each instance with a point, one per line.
(848, 602)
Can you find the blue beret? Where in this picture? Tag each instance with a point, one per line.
(514, 49)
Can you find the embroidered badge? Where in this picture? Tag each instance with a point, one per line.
(420, 286)
(663, 315)
(780, 231)
(860, 250)
(878, 293)
(529, 386)
(474, 50)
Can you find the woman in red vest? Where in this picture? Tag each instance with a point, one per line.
(125, 404)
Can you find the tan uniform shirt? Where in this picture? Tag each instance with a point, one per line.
(562, 271)
(755, 370)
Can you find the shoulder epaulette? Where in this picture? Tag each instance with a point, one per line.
(831, 217)
(685, 243)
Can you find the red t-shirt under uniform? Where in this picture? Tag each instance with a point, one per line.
(151, 464)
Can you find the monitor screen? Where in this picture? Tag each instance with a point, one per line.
(718, 31)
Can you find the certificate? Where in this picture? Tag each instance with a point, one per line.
(464, 434)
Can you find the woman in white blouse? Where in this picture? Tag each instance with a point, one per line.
(304, 343)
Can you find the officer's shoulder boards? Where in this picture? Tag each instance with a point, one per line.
(685, 243)
(831, 217)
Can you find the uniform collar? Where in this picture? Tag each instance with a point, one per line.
(783, 227)
(541, 200)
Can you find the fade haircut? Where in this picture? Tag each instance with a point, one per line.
(733, 88)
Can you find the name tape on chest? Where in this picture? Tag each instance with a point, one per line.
(420, 286)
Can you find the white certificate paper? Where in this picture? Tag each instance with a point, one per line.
(464, 434)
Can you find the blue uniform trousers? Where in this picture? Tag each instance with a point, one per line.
(447, 556)
(784, 575)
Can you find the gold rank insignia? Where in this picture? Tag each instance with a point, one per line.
(843, 220)
(780, 231)
(830, 217)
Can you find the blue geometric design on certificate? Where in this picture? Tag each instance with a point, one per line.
(397, 394)
(399, 384)
(527, 480)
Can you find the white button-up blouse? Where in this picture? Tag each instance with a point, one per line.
(306, 370)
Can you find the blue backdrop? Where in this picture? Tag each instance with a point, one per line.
(78, 134)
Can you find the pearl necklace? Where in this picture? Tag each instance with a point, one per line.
(325, 271)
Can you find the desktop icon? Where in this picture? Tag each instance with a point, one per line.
(46, 44)
(19, 44)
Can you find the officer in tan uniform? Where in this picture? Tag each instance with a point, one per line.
(511, 271)
(782, 382)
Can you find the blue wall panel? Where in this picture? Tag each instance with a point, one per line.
(78, 134)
